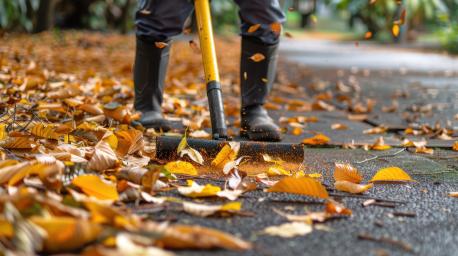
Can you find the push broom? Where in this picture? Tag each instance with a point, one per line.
(166, 146)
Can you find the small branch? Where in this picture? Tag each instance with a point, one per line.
(403, 245)
(381, 156)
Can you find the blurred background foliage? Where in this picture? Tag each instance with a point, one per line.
(435, 20)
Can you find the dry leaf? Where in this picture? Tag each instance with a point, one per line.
(376, 130)
(17, 143)
(3, 132)
(184, 149)
(181, 167)
(424, 150)
(129, 141)
(289, 230)
(276, 27)
(66, 233)
(226, 154)
(303, 186)
(195, 190)
(350, 187)
(257, 57)
(333, 207)
(455, 146)
(195, 237)
(277, 170)
(160, 45)
(318, 139)
(339, 126)
(453, 194)
(204, 210)
(346, 172)
(93, 185)
(254, 28)
(103, 158)
(391, 174)
(380, 145)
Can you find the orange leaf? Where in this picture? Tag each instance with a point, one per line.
(196, 237)
(347, 186)
(93, 185)
(380, 145)
(393, 174)
(455, 146)
(66, 233)
(303, 186)
(254, 28)
(347, 172)
(334, 207)
(395, 30)
(257, 57)
(276, 27)
(160, 45)
(453, 194)
(318, 139)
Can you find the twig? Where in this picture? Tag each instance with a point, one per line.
(368, 197)
(381, 156)
(403, 245)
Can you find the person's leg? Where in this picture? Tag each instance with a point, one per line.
(257, 77)
(157, 21)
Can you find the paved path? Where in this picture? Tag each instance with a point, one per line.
(332, 54)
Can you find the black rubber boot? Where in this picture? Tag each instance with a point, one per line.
(257, 78)
(149, 74)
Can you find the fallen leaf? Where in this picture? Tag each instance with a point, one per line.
(181, 167)
(424, 150)
(254, 28)
(204, 210)
(453, 194)
(318, 139)
(391, 174)
(289, 230)
(303, 186)
(160, 45)
(195, 190)
(339, 126)
(350, 187)
(103, 158)
(93, 185)
(380, 145)
(277, 170)
(184, 149)
(276, 27)
(455, 146)
(46, 131)
(346, 172)
(376, 130)
(66, 233)
(334, 207)
(257, 57)
(226, 154)
(3, 132)
(195, 237)
(17, 143)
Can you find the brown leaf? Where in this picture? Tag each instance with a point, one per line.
(103, 158)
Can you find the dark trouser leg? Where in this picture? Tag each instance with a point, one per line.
(257, 77)
(157, 21)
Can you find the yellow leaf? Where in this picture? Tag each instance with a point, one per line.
(269, 159)
(106, 214)
(391, 174)
(93, 185)
(257, 57)
(227, 154)
(103, 158)
(47, 131)
(277, 170)
(66, 233)
(424, 150)
(3, 133)
(380, 145)
(196, 190)
(318, 139)
(253, 28)
(314, 175)
(303, 186)
(181, 167)
(347, 172)
(6, 228)
(395, 30)
(350, 187)
(42, 170)
(111, 139)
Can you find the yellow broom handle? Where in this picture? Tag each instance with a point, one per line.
(207, 45)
